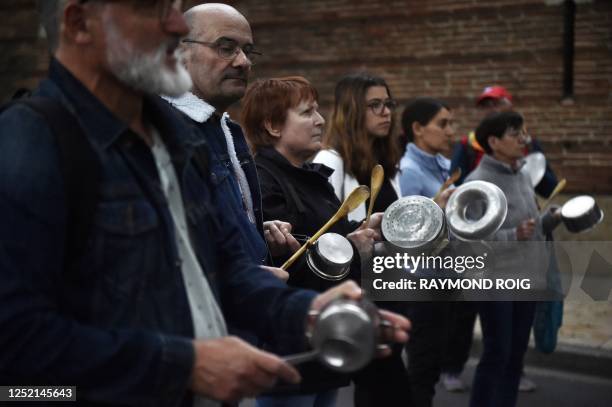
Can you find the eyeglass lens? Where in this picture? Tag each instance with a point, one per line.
(378, 105)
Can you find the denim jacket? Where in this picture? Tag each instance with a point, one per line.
(119, 325)
(208, 124)
(226, 182)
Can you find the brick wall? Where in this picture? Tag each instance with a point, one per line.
(23, 56)
(448, 49)
(451, 49)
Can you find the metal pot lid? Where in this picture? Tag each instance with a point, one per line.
(577, 206)
(334, 249)
(535, 167)
(476, 210)
(411, 221)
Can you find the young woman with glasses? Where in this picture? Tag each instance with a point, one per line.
(359, 136)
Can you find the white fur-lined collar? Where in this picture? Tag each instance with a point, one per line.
(194, 107)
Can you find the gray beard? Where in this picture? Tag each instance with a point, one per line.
(145, 72)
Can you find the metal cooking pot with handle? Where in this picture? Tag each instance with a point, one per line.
(535, 167)
(476, 210)
(346, 335)
(581, 214)
(330, 257)
(414, 223)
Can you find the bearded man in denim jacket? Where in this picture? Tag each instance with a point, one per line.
(157, 269)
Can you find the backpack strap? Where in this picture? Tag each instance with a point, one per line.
(80, 169)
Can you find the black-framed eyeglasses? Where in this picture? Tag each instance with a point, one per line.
(163, 7)
(377, 105)
(517, 133)
(228, 49)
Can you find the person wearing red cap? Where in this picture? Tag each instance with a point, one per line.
(468, 153)
(466, 156)
(495, 96)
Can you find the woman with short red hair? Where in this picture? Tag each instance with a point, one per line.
(282, 123)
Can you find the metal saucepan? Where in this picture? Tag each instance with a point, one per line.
(581, 213)
(414, 223)
(535, 167)
(345, 336)
(330, 257)
(355, 198)
(476, 210)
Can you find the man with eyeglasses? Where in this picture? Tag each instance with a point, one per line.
(219, 53)
(136, 316)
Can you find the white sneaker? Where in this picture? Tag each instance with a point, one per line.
(526, 384)
(452, 383)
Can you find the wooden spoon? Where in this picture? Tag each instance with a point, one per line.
(356, 198)
(376, 180)
(450, 181)
(554, 193)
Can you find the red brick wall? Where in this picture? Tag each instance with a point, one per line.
(451, 49)
(448, 49)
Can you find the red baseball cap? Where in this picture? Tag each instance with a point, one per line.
(494, 92)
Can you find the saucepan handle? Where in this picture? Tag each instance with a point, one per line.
(384, 325)
(300, 358)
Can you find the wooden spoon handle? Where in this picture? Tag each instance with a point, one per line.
(376, 180)
(449, 181)
(311, 241)
(554, 193)
(354, 199)
(367, 219)
(295, 256)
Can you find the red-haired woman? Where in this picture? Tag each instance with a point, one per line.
(282, 123)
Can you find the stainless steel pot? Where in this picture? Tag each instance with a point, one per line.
(535, 167)
(476, 210)
(580, 214)
(414, 223)
(345, 336)
(330, 257)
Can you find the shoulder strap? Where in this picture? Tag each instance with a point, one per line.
(79, 166)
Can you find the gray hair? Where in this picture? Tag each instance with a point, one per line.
(50, 17)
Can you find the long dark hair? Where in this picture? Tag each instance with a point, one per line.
(346, 132)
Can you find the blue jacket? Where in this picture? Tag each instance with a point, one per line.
(422, 173)
(119, 325)
(226, 185)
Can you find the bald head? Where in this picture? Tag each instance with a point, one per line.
(219, 76)
(204, 17)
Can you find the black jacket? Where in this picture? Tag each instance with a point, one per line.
(305, 198)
